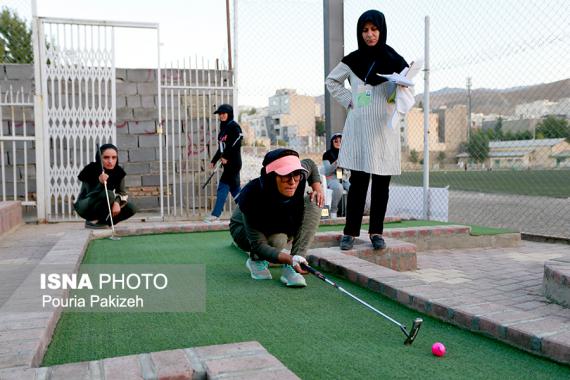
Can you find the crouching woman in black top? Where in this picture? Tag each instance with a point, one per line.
(91, 203)
(274, 210)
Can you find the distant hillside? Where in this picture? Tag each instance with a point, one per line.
(502, 102)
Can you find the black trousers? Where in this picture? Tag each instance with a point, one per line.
(357, 199)
(95, 207)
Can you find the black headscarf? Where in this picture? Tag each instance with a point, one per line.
(93, 170)
(267, 209)
(225, 108)
(331, 155)
(382, 58)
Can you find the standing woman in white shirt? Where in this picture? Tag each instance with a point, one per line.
(371, 143)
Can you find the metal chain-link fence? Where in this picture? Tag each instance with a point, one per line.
(499, 105)
(499, 108)
(280, 78)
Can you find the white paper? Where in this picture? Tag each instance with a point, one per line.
(414, 68)
(398, 79)
(405, 77)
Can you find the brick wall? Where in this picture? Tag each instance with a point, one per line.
(136, 120)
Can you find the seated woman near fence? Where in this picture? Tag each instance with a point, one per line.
(92, 200)
(330, 164)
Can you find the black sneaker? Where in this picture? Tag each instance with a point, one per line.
(95, 225)
(378, 242)
(347, 242)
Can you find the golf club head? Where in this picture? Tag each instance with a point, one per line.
(113, 237)
(411, 336)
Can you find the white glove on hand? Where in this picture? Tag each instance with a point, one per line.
(297, 260)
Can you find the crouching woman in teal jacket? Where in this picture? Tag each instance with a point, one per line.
(91, 203)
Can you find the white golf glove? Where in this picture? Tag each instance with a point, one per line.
(297, 260)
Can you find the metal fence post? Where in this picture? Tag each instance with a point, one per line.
(333, 21)
(426, 122)
(38, 118)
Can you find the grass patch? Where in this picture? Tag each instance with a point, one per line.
(547, 183)
(316, 331)
(475, 230)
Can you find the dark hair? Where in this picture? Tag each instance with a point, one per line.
(103, 148)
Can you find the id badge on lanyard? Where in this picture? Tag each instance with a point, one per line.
(364, 96)
(364, 92)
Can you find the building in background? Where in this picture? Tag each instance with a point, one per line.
(447, 130)
(536, 109)
(544, 154)
(292, 118)
(255, 121)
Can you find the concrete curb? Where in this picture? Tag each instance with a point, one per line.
(556, 281)
(10, 216)
(244, 360)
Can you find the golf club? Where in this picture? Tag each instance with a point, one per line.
(112, 237)
(218, 164)
(410, 336)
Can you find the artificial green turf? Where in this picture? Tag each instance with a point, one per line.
(316, 331)
(547, 183)
(475, 230)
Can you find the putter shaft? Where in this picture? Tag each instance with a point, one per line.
(410, 336)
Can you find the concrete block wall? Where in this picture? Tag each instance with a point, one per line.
(137, 124)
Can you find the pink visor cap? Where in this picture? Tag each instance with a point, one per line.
(285, 165)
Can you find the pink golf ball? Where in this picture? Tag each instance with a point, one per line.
(438, 349)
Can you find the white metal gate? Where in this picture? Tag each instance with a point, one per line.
(76, 70)
(16, 145)
(78, 91)
(190, 93)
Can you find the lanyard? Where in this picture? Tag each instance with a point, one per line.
(369, 70)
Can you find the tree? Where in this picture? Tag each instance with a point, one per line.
(414, 157)
(553, 128)
(441, 157)
(522, 135)
(247, 111)
(498, 129)
(320, 127)
(478, 147)
(15, 38)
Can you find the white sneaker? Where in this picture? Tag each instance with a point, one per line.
(211, 219)
(291, 278)
(258, 269)
(333, 215)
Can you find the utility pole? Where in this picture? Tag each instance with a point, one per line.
(228, 32)
(468, 108)
(333, 21)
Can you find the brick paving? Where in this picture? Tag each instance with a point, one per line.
(496, 291)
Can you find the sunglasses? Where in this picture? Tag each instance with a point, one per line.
(295, 176)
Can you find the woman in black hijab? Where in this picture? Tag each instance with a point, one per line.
(229, 153)
(275, 209)
(371, 134)
(91, 203)
(330, 166)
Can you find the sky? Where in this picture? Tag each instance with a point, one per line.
(499, 44)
